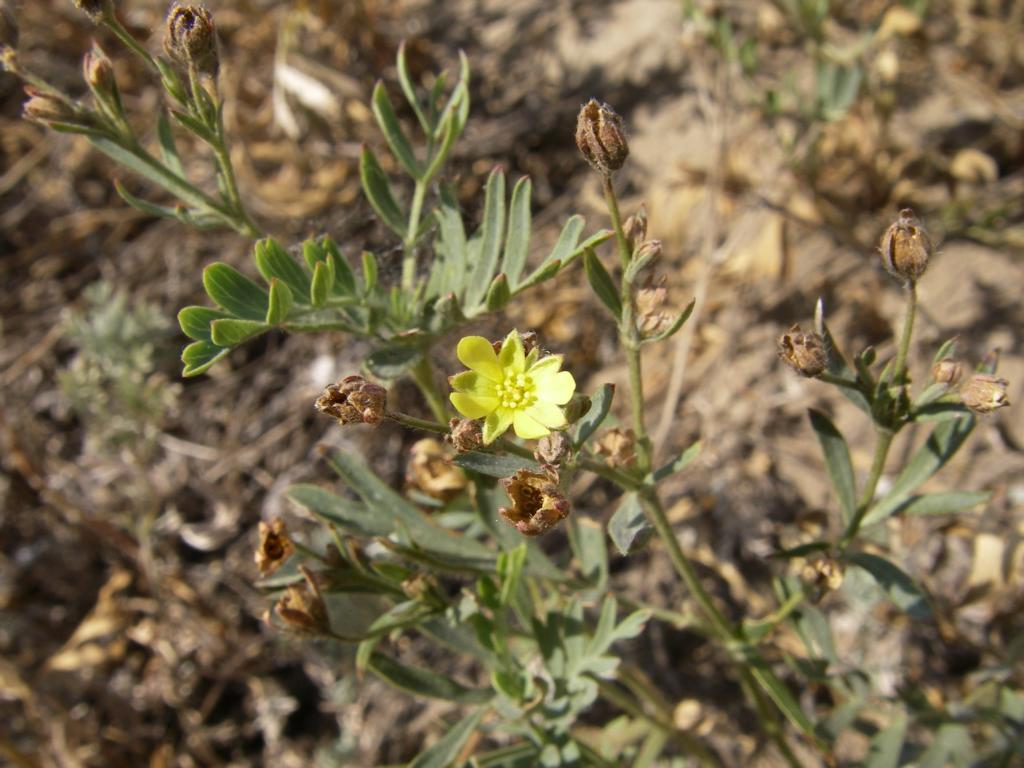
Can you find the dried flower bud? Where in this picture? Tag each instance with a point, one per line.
(47, 108)
(529, 339)
(647, 252)
(820, 576)
(419, 586)
(191, 38)
(618, 446)
(302, 607)
(906, 247)
(431, 471)
(600, 137)
(353, 400)
(635, 228)
(649, 300)
(984, 393)
(275, 547)
(947, 371)
(96, 9)
(537, 504)
(552, 449)
(98, 71)
(8, 28)
(803, 352)
(464, 434)
(577, 408)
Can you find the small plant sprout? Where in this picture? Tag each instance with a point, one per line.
(511, 388)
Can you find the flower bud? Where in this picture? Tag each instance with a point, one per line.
(906, 247)
(431, 472)
(275, 547)
(47, 108)
(577, 408)
(635, 228)
(529, 339)
(984, 393)
(552, 449)
(618, 446)
(96, 9)
(600, 137)
(537, 504)
(353, 400)
(98, 71)
(649, 300)
(820, 576)
(191, 38)
(464, 434)
(646, 253)
(803, 352)
(302, 606)
(947, 371)
(8, 28)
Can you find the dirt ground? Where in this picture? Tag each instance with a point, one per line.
(130, 626)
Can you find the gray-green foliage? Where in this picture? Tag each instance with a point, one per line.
(112, 382)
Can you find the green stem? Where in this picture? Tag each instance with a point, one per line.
(613, 211)
(128, 39)
(409, 246)
(423, 374)
(244, 224)
(413, 423)
(883, 441)
(903, 350)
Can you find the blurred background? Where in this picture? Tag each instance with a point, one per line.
(772, 142)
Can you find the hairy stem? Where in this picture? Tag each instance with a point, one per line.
(423, 374)
(613, 211)
(899, 368)
(409, 246)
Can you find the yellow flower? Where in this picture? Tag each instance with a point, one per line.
(511, 388)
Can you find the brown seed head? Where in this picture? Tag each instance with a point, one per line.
(649, 300)
(984, 393)
(275, 547)
(906, 247)
(947, 371)
(353, 400)
(95, 9)
(302, 607)
(803, 352)
(98, 71)
(537, 504)
(464, 435)
(820, 576)
(430, 470)
(191, 38)
(601, 138)
(552, 449)
(618, 446)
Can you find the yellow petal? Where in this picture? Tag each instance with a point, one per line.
(477, 354)
(512, 356)
(557, 389)
(528, 427)
(473, 406)
(472, 383)
(548, 414)
(496, 424)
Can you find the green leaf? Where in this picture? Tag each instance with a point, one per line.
(199, 356)
(491, 231)
(628, 527)
(280, 302)
(942, 444)
(393, 359)
(443, 752)
(423, 682)
(589, 548)
(347, 514)
(149, 168)
(564, 249)
(378, 192)
(148, 208)
(392, 130)
(320, 286)
(494, 465)
(236, 293)
(369, 273)
(168, 149)
(344, 278)
(517, 243)
(498, 294)
(510, 568)
(782, 697)
(837, 364)
(896, 584)
(672, 329)
(453, 244)
(678, 464)
(885, 748)
(948, 349)
(231, 332)
(600, 404)
(273, 261)
(943, 503)
(837, 462)
(195, 321)
(602, 283)
(409, 91)
(312, 252)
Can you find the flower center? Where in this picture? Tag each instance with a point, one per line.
(516, 391)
